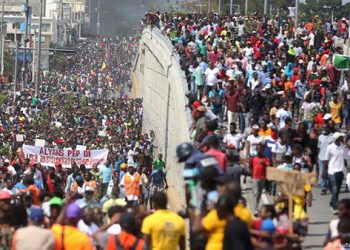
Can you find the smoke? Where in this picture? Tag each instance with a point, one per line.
(122, 17)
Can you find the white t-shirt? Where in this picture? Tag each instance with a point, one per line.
(211, 76)
(322, 144)
(253, 142)
(335, 155)
(281, 150)
(115, 229)
(89, 230)
(282, 115)
(235, 139)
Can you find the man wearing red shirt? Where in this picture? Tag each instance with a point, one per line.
(213, 144)
(258, 165)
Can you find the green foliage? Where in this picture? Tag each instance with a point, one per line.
(58, 61)
(5, 150)
(319, 7)
(4, 98)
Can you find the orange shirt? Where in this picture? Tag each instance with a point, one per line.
(265, 133)
(72, 238)
(309, 26)
(86, 183)
(126, 240)
(35, 192)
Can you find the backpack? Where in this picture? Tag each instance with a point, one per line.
(217, 100)
(119, 245)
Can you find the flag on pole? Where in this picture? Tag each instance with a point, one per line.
(104, 66)
(341, 62)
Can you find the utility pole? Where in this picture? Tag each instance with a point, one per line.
(296, 13)
(231, 6)
(16, 62)
(209, 6)
(246, 7)
(2, 37)
(34, 55)
(219, 7)
(39, 50)
(265, 7)
(25, 41)
(98, 17)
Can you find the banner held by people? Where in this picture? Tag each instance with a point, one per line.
(48, 156)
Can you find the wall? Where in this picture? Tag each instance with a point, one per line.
(162, 86)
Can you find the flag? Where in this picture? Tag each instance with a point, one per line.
(104, 66)
(341, 62)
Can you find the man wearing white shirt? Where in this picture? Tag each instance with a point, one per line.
(131, 184)
(85, 224)
(233, 138)
(211, 74)
(36, 173)
(335, 164)
(324, 140)
(282, 114)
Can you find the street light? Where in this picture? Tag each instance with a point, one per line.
(39, 50)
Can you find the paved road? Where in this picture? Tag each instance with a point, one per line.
(319, 213)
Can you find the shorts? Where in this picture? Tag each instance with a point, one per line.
(154, 189)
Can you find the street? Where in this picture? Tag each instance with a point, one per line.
(319, 213)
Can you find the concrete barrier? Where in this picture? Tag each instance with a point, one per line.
(162, 85)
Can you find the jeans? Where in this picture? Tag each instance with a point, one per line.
(258, 186)
(322, 181)
(243, 121)
(232, 117)
(335, 181)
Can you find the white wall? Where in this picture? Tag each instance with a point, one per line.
(163, 86)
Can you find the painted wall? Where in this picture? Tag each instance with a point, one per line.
(163, 84)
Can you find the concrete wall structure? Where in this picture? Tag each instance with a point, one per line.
(162, 86)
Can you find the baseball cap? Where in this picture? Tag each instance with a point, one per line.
(337, 135)
(5, 195)
(111, 203)
(56, 201)
(327, 116)
(123, 166)
(255, 126)
(73, 211)
(36, 214)
(88, 188)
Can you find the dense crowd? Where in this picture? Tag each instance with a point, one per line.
(85, 104)
(263, 93)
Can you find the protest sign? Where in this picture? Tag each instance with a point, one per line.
(19, 137)
(48, 156)
(39, 143)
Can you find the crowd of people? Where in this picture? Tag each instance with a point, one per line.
(263, 92)
(86, 103)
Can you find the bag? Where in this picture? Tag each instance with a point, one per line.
(119, 245)
(217, 100)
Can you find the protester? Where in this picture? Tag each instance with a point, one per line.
(34, 236)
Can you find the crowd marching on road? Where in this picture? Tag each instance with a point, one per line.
(275, 84)
(279, 88)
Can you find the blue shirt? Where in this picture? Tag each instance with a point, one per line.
(269, 144)
(106, 174)
(157, 178)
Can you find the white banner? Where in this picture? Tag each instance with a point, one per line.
(48, 156)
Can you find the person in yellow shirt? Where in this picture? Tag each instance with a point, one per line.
(335, 108)
(264, 130)
(164, 229)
